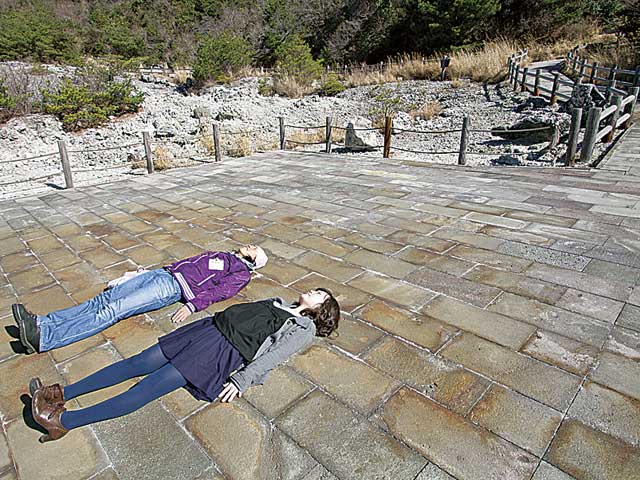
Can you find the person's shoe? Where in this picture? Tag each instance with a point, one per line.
(48, 416)
(53, 394)
(28, 325)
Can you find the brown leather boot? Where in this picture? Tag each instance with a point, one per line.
(53, 394)
(48, 416)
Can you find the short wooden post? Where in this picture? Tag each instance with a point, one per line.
(282, 140)
(386, 150)
(554, 88)
(66, 166)
(464, 141)
(572, 142)
(515, 77)
(593, 76)
(635, 91)
(574, 62)
(617, 101)
(523, 85)
(589, 141)
(147, 151)
(216, 142)
(327, 129)
(583, 62)
(612, 76)
(636, 78)
(509, 66)
(536, 86)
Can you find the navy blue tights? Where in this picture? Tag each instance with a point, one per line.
(162, 378)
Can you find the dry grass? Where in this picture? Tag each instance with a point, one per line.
(427, 111)
(163, 159)
(290, 87)
(237, 145)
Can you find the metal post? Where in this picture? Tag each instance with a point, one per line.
(147, 151)
(554, 88)
(66, 167)
(386, 151)
(216, 142)
(523, 85)
(574, 130)
(635, 91)
(282, 141)
(328, 135)
(464, 141)
(617, 101)
(589, 140)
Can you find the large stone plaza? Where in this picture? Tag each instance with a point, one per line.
(490, 330)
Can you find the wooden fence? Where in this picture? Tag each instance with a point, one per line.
(463, 150)
(612, 79)
(601, 124)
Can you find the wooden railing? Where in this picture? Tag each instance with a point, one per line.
(609, 78)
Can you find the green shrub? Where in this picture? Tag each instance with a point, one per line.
(265, 88)
(218, 58)
(332, 86)
(6, 103)
(386, 102)
(84, 106)
(37, 34)
(294, 59)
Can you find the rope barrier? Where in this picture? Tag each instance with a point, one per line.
(511, 131)
(29, 158)
(31, 179)
(306, 128)
(99, 169)
(306, 143)
(401, 130)
(107, 148)
(424, 152)
(372, 129)
(244, 132)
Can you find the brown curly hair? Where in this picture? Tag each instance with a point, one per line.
(326, 317)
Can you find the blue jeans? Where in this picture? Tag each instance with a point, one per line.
(149, 291)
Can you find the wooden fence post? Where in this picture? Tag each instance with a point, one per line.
(636, 77)
(573, 64)
(515, 77)
(509, 66)
(523, 85)
(554, 88)
(536, 86)
(612, 76)
(328, 135)
(386, 150)
(147, 151)
(617, 100)
(589, 140)
(635, 91)
(464, 141)
(216, 142)
(583, 62)
(593, 76)
(282, 140)
(66, 167)
(572, 142)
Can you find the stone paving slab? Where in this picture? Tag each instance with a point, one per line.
(481, 306)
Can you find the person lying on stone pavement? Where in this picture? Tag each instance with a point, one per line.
(198, 281)
(213, 358)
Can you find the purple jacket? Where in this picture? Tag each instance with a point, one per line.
(210, 277)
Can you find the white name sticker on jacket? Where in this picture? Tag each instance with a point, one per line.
(216, 264)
